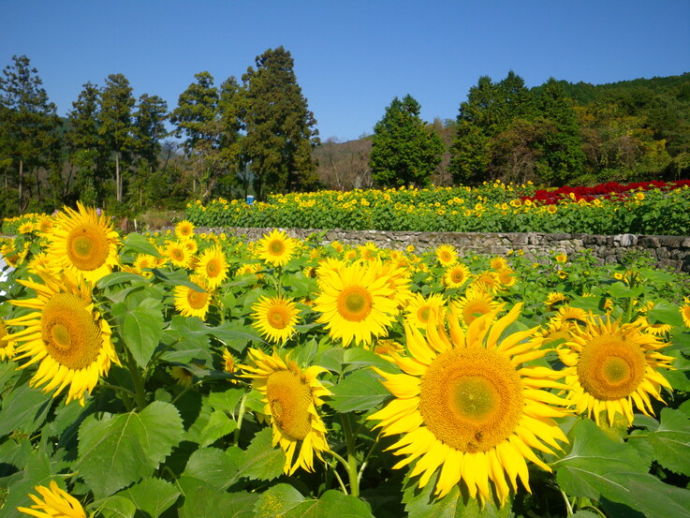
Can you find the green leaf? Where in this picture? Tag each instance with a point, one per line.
(203, 501)
(213, 467)
(357, 358)
(142, 329)
(651, 496)
(187, 339)
(276, 501)
(590, 469)
(332, 504)
(119, 278)
(23, 410)
(36, 471)
(118, 450)
(140, 244)
(115, 506)
(666, 314)
(236, 335)
(262, 461)
(153, 496)
(671, 441)
(361, 390)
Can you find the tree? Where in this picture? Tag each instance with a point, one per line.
(279, 126)
(116, 125)
(29, 124)
(85, 147)
(404, 150)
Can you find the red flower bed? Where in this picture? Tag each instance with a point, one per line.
(608, 190)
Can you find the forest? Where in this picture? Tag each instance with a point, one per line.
(256, 135)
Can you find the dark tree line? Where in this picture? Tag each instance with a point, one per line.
(110, 149)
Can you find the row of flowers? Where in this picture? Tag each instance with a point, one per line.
(281, 375)
(607, 190)
(650, 212)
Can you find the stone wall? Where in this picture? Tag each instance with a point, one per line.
(671, 252)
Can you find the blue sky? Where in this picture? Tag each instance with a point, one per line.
(351, 57)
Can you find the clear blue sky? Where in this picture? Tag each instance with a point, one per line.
(351, 56)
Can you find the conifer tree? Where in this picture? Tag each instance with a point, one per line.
(404, 150)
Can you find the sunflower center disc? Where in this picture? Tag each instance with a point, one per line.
(610, 369)
(354, 304)
(289, 398)
(457, 276)
(177, 254)
(197, 299)
(213, 268)
(87, 247)
(276, 247)
(471, 399)
(277, 318)
(423, 314)
(70, 335)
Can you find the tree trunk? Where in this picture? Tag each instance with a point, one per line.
(118, 179)
(21, 181)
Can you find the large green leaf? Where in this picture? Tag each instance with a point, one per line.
(213, 467)
(137, 243)
(665, 313)
(187, 339)
(142, 328)
(276, 501)
(586, 470)
(152, 495)
(203, 501)
(36, 471)
(262, 461)
(118, 450)
(671, 441)
(361, 390)
(115, 506)
(23, 410)
(332, 504)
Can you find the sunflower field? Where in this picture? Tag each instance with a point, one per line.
(610, 208)
(190, 374)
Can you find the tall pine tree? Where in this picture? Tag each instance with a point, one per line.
(404, 150)
(280, 128)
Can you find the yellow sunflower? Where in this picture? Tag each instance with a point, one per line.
(191, 302)
(555, 298)
(419, 309)
(506, 277)
(53, 503)
(474, 303)
(65, 335)
(292, 397)
(446, 255)
(212, 267)
(456, 276)
(498, 263)
(275, 318)
(487, 281)
(229, 364)
(84, 242)
(184, 229)
(178, 255)
(356, 303)
(611, 367)
(276, 248)
(467, 406)
(6, 347)
(685, 312)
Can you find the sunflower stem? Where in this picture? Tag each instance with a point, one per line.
(351, 464)
(568, 505)
(137, 382)
(240, 416)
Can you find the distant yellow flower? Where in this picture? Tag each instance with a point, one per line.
(456, 275)
(276, 248)
(182, 376)
(639, 196)
(554, 298)
(184, 229)
(53, 503)
(685, 312)
(498, 263)
(275, 317)
(446, 255)
(561, 258)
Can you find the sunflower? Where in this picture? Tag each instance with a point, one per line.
(275, 318)
(212, 267)
(487, 282)
(177, 253)
(456, 275)
(191, 302)
(498, 263)
(292, 397)
(474, 303)
(420, 308)
(356, 303)
(276, 248)
(229, 364)
(611, 367)
(184, 229)
(84, 242)
(506, 277)
(467, 406)
(65, 335)
(446, 255)
(6, 348)
(555, 298)
(685, 312)
(53, 503)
